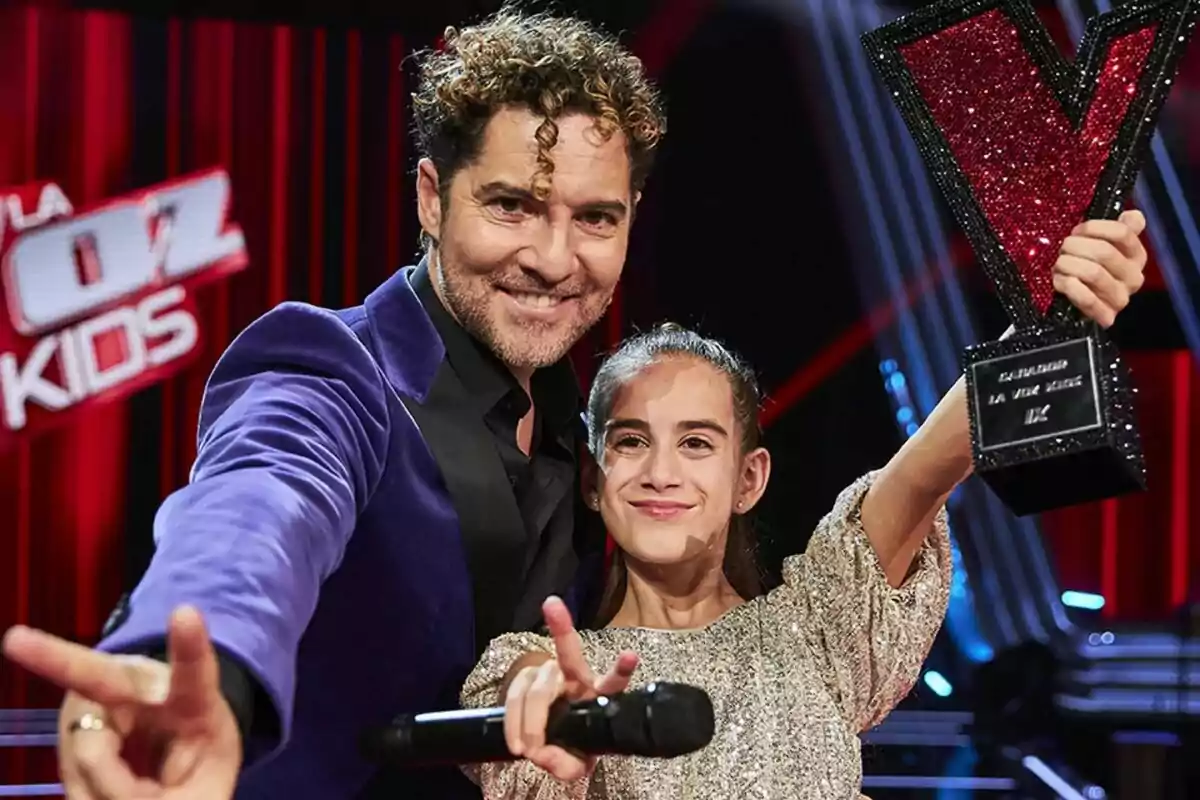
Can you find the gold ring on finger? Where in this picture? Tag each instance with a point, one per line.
(88, 722)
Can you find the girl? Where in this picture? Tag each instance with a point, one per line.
(795, 674)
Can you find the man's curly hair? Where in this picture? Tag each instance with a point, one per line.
(547, 64)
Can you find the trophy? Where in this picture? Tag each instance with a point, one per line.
(1025, 145)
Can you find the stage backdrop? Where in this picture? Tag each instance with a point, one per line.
(309, 124)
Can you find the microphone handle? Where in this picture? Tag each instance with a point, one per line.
(477, 736)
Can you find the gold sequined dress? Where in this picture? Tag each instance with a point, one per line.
(794, 676)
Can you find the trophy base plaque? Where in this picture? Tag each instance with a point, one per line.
(1052, 419)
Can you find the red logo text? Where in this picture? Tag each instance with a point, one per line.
(99, 302)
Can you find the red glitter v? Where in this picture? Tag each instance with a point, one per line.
(1032, 168)
(1024, 143)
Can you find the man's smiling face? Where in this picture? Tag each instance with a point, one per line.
(528, 275)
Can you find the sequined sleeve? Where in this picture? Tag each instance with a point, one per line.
(512, 780)
(867, 638)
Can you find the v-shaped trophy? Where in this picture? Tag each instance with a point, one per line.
(1025, 144)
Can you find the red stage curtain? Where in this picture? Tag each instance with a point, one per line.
(311, 126)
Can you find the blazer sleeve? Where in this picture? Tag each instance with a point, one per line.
(293, 434)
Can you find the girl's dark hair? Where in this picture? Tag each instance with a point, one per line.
(631, 357)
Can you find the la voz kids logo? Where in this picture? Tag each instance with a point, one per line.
(99, 302)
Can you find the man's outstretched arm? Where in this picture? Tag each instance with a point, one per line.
(293, 435)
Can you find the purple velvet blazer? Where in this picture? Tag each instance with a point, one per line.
(349, 534)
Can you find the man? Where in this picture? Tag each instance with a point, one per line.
(379, 491)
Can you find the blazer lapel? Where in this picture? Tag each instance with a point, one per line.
(493, 532)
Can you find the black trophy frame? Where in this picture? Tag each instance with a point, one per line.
(1095, 451)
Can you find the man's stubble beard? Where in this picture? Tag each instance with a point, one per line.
(469, 302)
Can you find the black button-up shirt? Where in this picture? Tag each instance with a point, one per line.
(543, 480)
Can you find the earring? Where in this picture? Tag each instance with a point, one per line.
(594, 502)
(740, 504)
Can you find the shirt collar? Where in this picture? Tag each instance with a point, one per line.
(488, 381)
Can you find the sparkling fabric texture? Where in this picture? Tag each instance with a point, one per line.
(794, 676)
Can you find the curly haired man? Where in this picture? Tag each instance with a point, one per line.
(381, 490)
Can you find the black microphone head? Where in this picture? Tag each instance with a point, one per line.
(663, 720)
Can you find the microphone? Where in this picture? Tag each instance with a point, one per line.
(661, 720)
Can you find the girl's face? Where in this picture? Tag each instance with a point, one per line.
(672, 471)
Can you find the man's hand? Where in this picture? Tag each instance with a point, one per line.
(534, 689)
(1101, 264)
(132, 727)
